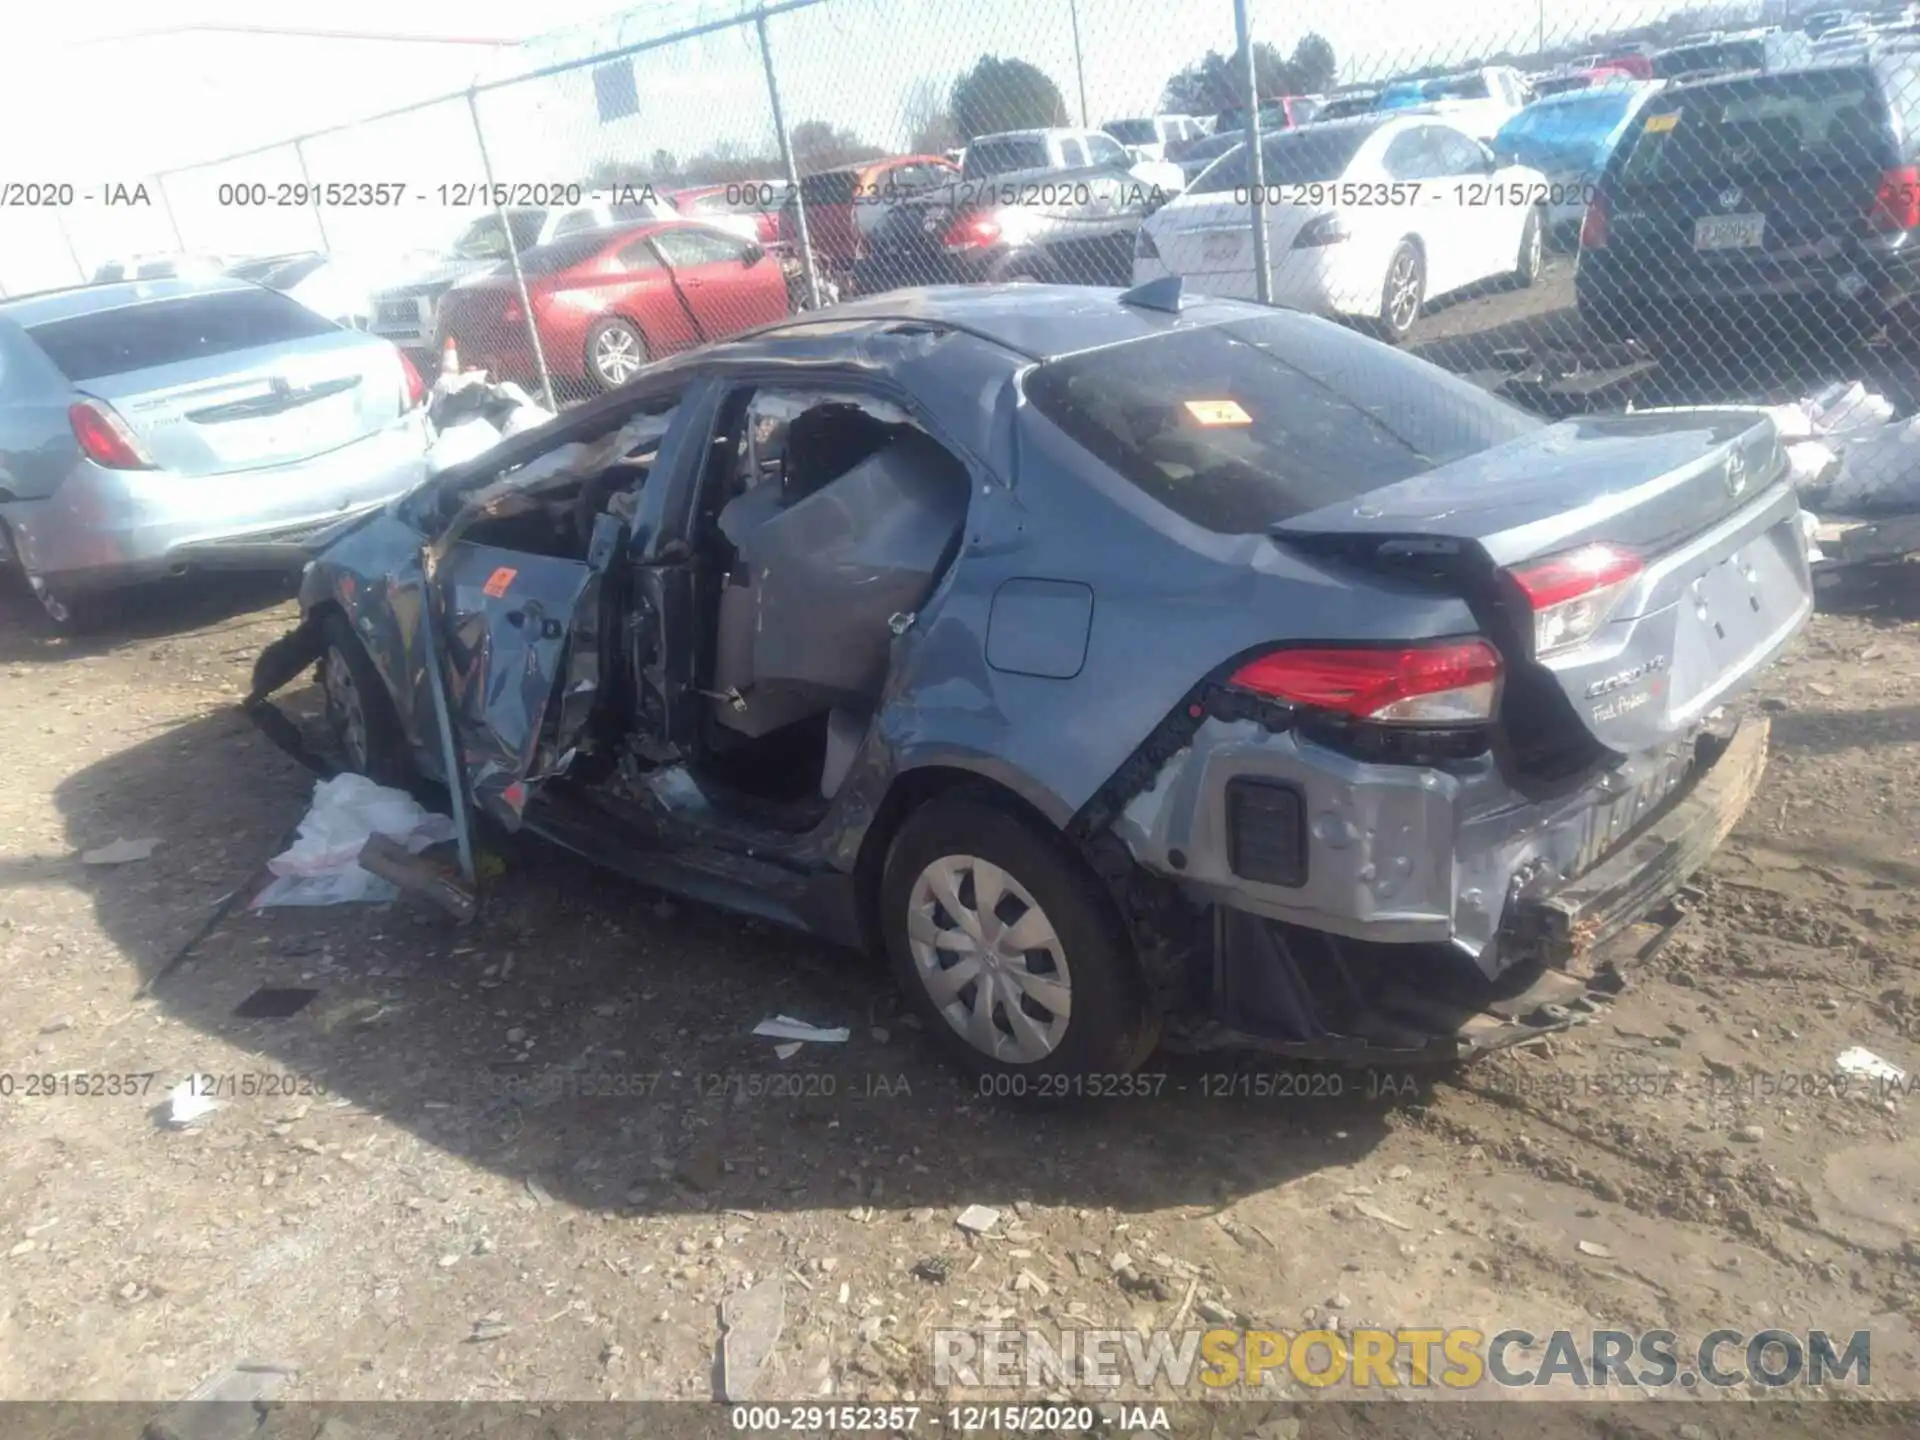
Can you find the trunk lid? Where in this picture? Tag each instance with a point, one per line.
(1701, 496)
(1209, 239)
(271, 405)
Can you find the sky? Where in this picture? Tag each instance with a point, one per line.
(162, 90)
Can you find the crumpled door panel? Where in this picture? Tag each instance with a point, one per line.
(508, 616)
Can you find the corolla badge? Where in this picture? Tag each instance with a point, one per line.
(1621, 679)
(1730, 198)
(1736, 473)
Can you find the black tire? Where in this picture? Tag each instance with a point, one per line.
(1397, 319)
(376, 746)
(1110, 1027)
(613, 331)
(1533, 251)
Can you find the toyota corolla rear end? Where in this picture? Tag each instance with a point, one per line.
(1490, 732)
(196, 427)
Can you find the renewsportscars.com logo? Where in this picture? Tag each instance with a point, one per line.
(1210, 1361)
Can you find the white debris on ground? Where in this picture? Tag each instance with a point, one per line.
(1865, 1064)
(1848, 455)
(322, 865)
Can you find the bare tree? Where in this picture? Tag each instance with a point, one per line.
(930, 127)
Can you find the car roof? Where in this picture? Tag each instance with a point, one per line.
(1038, 322)
(50, 305)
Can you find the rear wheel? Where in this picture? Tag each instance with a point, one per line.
(1403, 293)
(360, 714)
(1009, 948)
(616, 351)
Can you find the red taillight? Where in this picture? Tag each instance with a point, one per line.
(1896, 204)
(971, 232)
(1452, 684)
(104, 437)
(413, 389)
(1593, 225)
(1572, 595)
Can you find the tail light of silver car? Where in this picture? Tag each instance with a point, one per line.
(1455, 683)
(105, 438)
(1896, 202)
(1322, 230)
(1572, 595)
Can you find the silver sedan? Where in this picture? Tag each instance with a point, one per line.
(153, 427)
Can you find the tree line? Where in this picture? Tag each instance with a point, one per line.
(997, 93)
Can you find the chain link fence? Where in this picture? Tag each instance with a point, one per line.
(1578, 205)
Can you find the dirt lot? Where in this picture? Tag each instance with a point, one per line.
(440, 1163)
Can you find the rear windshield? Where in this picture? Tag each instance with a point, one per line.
(1004, 157)
(1740, 55)
(1237, 427)
(1572, 128)
(1347, 106)
(165, 332)
(1457, 87)
(289, 273)
(1296, 157)
(1132, 132)
(1813, 120)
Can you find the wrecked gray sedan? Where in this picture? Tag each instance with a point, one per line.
(1118, 663)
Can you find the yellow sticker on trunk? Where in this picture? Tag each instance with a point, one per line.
(1660, 124)
(1218, 412)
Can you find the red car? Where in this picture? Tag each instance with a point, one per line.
(742, 206)
(608, 301)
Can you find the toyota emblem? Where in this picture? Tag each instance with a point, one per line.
(1730, 198)
(1736, 476)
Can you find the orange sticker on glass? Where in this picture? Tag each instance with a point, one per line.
(1218, 412)
(1660, 124)
(500, 581)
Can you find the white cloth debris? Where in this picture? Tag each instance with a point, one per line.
(1869, 1066)
(322, 866)
(460, 443)
(120, 852)
(977, 1218)
(187, 1102)
(788, 1050)
(1846, 452)
(785, 1027)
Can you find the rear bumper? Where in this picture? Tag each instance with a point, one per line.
(1641, 295)
(1277, 827)
(103, 527)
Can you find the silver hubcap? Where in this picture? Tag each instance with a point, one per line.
(616, 355)
(1403, 290)
(345, 713)
(1530, 266)
(989, 958)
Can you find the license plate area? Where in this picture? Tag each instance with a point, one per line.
(1618, 816)
(1730, 232)
(1220, 248)
(300, 431)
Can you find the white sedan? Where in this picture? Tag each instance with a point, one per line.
(1369, 219)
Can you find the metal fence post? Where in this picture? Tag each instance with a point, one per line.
(166, 204)
(73, 251)
(1256, 162)
(792, 168)
(1079, 62)
(306, 176)
(513, 251)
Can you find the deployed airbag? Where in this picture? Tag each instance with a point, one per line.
(826, 573)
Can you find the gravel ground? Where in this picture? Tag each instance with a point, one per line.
(528, 1159)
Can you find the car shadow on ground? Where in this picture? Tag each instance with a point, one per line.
(119, 618)
(596, 1036)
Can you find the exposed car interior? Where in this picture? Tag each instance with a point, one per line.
(823, 521)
